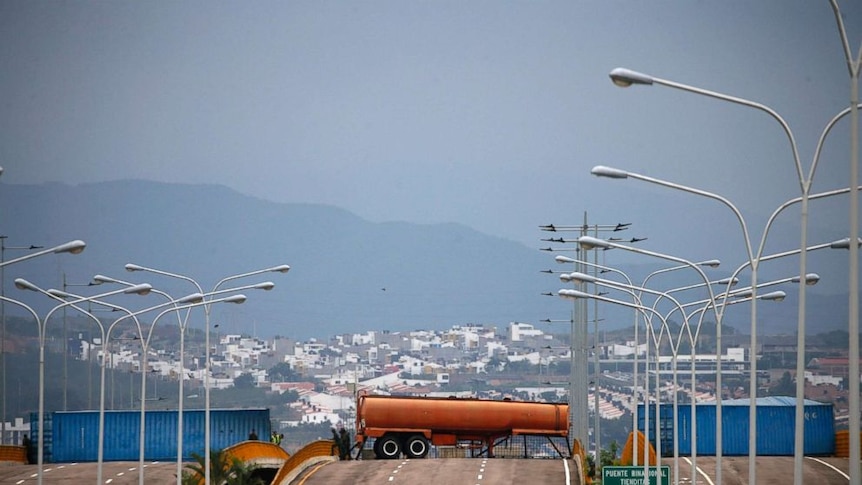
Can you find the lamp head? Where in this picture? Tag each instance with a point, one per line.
(281, 269)
(570, 294)
(588, 243)
(58, 293)
(134, 267)
(564, 259)
(711, 263)
(582, 277)
(811, 279)
(774, 296)
(728, 281)
(99, 279)
(613, 173)
(266, 286)
(71, 247)
(192, 298)
(238, 299)
(23, 284)
(565, 277)
(142, 289)
(624, 78)
(844, 243)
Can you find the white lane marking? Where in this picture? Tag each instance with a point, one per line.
(568, 474)
(479, 477)
(397, 469)
(19, 482)
(830, 466)
(699, 470)
(109, 480)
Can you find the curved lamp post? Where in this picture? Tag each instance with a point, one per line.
(61, 296)
(712, 263)
(193, 300)
(597, 426)
(183, 325)
(591, 242)
(576, 294)
(754, 259)
(72, 247)
(631, 289)
(3, 249)
(23, 284)
(675, 348)
(625, 77)
(189, 301)
(278, 269)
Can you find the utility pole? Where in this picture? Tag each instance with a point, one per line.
(579, 382)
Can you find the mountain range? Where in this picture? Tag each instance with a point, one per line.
(348, 275)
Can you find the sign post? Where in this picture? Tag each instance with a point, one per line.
(634, 475)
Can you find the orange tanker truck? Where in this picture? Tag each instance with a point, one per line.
(410, 425)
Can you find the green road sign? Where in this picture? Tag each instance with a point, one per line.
(634, 475)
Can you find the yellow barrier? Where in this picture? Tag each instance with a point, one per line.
(628, 452)
(315, 452)
(842, 443)
(13, 453)
(256, 450)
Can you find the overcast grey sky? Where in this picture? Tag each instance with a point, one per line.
(486, 113)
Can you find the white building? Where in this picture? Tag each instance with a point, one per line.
(519, 331)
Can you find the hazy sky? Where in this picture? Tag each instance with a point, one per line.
(486, 113)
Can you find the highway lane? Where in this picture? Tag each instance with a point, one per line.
(113, 473)
(475, 471)
(467, 471)
(776, 470)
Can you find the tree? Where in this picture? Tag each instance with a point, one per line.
(784, 387)
(224, 469)
(244, 381)
(283, 372)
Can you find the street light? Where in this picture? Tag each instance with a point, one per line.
(591, 242)
(582, 277)
(187, 302)
(62, 296)
(277, 269)
(73, 247)
(575, 294)
(23, 284)
(183, 325)
(625, 77)
(710, 263)
(66, 285)
(3, 249)
(754, 259)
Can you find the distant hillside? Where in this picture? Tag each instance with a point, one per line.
(347, 274)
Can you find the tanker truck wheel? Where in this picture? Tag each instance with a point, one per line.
(388, 447)
(416, 446)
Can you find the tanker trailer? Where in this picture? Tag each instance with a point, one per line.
(411, 424)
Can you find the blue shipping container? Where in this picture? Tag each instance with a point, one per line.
(75, 435)
(776, 418)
